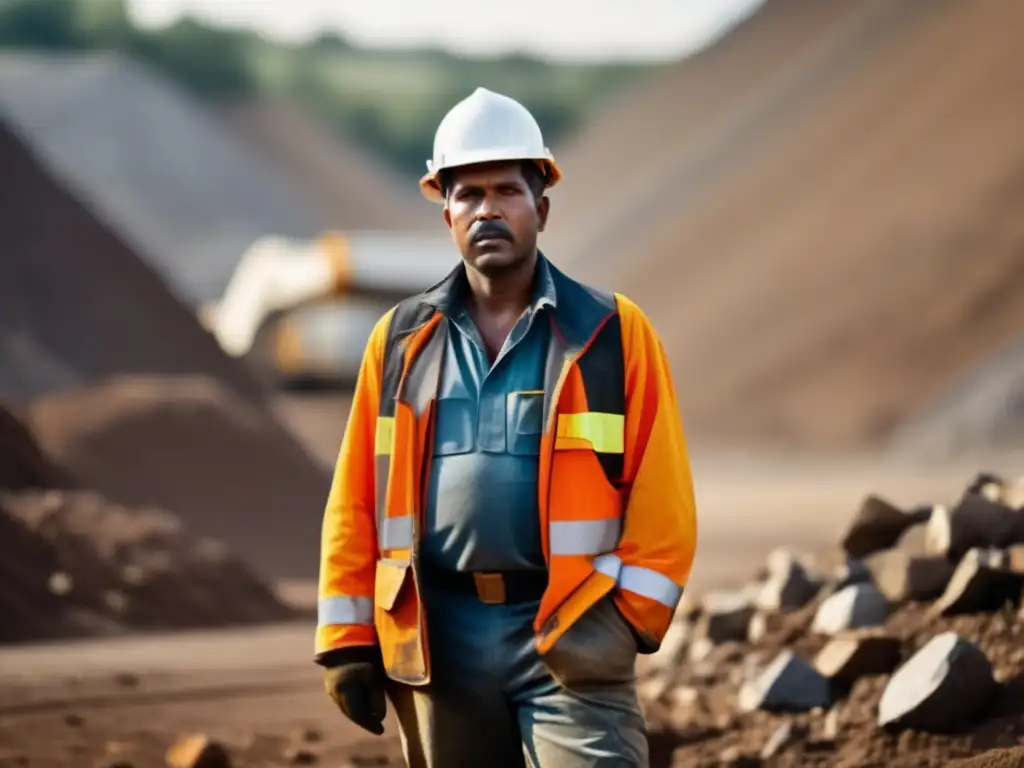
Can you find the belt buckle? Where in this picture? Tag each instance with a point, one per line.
(490, 587)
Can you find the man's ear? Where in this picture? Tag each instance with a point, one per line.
(447, 215)
(543, 208)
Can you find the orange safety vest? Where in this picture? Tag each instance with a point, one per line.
(615, 490)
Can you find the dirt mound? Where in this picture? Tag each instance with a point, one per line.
(349, 189)
(191, 446)
(23, 463)
(76, 304)
(836, 246)
(73, 563)
(80, 565)
(754, 681)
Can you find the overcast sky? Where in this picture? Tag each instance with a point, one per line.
(645, 29)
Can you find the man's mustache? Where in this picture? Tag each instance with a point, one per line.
(490, 230)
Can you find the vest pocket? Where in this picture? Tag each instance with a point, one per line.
(525, 422)
(396, 616)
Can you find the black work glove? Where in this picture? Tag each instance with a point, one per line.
(354, 678)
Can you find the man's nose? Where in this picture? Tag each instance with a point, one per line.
(487, 211)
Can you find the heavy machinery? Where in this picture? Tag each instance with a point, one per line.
(303, 309)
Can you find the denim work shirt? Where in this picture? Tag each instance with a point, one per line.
(481, 505)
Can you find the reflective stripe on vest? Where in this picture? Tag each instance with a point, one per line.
(344, 610)
(642, 581)
(601, 432)
(584, 537)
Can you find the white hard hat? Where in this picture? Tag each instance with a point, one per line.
(482, 128)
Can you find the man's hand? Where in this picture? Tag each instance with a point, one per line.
(354, 679)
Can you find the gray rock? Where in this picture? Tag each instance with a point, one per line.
(854, 655)
(700, 649)
(945, 684)
(987, 484)
(830, 727)
(788, 684)
(726, 616)
(784, 735)
(300, 756)
(787, 586)
(859, 605)
(850, 572)
(758, 628)
(843, 575)
(1015, 559)
(981, 583)
(902, 577)
(976, 522)
(1013, 494)
(877, 526)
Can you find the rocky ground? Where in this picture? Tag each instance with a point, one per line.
(252, 693)
(907, 649)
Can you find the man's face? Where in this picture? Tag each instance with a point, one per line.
(493, 216)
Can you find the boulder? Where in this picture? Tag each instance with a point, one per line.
(787, 586)
(197, 751)
(1013, 494)
(856, 606)
(945, 684)
(788, 684)
(853, 655)
(725, 616)
(982, 582)
(975, 522)
(987, 484)
(300, 756)
(1015, 558)
(878, 526)
(903, 577)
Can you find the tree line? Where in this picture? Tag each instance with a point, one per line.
(388, 101)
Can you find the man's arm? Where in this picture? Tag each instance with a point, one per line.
(348, 550)
(659, 535)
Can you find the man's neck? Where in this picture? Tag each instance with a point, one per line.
(510, 292)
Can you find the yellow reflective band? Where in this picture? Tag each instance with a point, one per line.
(602, 432)
(385, 435)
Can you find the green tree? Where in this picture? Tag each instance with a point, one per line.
(47, 24)
(207, 61)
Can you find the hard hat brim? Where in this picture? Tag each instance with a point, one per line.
(431, 189)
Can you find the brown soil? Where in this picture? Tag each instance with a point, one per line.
(997, 758)
(189, 445)
(841, 235)
(73, 563)
(23, 464)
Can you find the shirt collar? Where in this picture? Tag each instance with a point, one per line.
(453, 293)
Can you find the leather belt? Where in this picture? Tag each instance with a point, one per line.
(492, 587)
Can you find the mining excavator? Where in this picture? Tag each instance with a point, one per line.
(302, 310)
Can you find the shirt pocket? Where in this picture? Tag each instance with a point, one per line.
(455, 430)
(525, 413)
